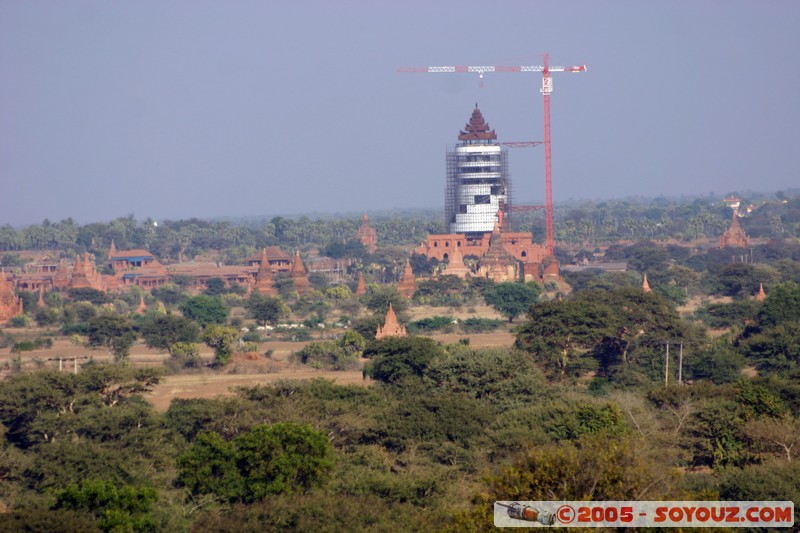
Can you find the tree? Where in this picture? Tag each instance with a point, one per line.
(87, 294)
(338, 249)
(776, 349)
(779, 435)
(511, 299)
(209, 467)
(169, 294)
(782, 305)
(282, 458)
(422, 265)
(125, 508)
(718, 363)
(112, 331)
(222, 339)
(597, 467)
(739, 279)
(49, 406)
(266, 309)
(503, 377)
(378, 298)
(215, 287)
(205, 310)
(163, 331)
(352, 342)
(557, 330)
(640, 322)
(395, 359)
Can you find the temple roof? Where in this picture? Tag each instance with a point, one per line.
(273, 254)
(477, 129)
(130, 254)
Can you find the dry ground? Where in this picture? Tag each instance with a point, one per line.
(246, 369)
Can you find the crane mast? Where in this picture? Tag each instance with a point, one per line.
(546, 90)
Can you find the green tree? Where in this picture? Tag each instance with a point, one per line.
(511, 299)
(169, 294)
(352, 342)
(395, 359)
(775, 349)
(49, 406)
(266, 309)
(88, 295)
(205, 310)
(782, 305)
(378, 298)
(222, 339)
(725, 315)
(501, 377)
(114, 332)
(163, 331)
(282, 458)
(557, 331)
(718, 363)
(215, 287)
(125, 508)
(209, 467)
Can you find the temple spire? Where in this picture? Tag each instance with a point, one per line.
(264, 278)
(477, 129)
(391, 327)
(361, 287)
(408, 283)
(761, 296)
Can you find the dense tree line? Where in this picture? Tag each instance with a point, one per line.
(596, 223)
(441, 421)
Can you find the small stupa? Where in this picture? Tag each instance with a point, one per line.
(391, 327)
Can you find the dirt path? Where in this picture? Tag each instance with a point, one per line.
(213, 385)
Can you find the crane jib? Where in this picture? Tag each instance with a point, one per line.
(480, 69)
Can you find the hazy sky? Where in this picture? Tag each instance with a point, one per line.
(174, 109)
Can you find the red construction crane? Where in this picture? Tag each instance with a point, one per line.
(547, 88)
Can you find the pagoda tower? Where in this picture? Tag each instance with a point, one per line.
(645, 285)
(734, 236)
(361, 287)
(299, 275)
(761, 296)
(62, 276)
(478, 182)
(84, 275)
(455, 265)
(264, 279)
(142, 306)
(367, 235)
(497, 264)
(408, 283)
(391, 327)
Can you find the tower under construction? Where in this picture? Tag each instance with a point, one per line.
(478, 183)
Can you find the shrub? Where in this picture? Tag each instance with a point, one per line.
(434, 323)
(481, 325)
(20, 321)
